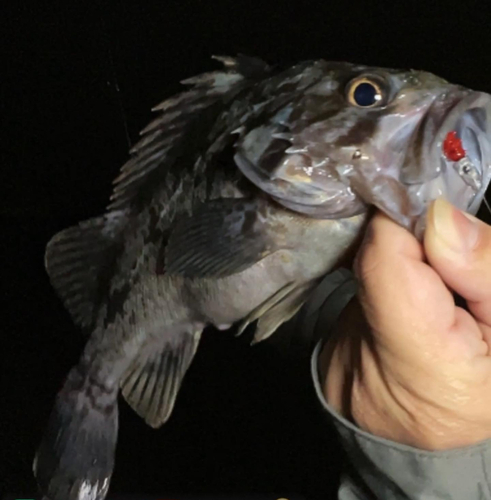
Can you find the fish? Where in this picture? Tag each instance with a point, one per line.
(245, 190)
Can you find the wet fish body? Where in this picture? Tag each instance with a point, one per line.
(240, 196)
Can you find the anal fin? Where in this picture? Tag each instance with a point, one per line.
(152, 382)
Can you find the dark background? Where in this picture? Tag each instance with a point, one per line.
(77, 82)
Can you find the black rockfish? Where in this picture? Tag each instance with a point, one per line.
(242, 193)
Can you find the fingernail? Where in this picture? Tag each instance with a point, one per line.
(458, 231)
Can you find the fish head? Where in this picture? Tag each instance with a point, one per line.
(363, 136)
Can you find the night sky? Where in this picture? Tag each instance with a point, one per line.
(77, 83)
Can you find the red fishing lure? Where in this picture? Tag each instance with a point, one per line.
(452, 147)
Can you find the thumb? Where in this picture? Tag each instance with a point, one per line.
(404, 300)
(458, 247)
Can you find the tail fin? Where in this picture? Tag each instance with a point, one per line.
(76, 457)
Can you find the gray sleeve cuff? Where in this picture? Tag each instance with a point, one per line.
(392, 471)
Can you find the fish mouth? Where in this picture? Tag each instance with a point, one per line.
(470, 120)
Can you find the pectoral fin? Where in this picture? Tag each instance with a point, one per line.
(221, 238)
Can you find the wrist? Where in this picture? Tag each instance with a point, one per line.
(357, 388)
(401, 394)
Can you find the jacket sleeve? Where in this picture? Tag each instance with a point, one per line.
(386, 470)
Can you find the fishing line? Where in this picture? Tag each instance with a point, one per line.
(486, 204)
(114, 77)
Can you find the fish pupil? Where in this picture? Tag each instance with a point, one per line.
(365, 94)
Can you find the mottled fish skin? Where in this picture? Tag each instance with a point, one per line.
(193, 238)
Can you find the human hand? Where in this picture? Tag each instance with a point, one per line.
(408, 364)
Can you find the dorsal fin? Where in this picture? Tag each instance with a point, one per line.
(182, 127)
(80, 259)
(75, 259)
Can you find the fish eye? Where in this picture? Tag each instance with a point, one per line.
(364, 92)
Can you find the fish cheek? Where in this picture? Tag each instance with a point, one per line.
(361, 132)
